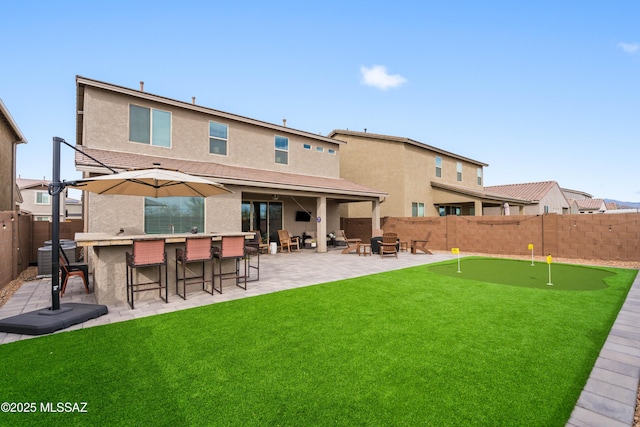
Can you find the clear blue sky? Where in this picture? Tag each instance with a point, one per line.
(540, 90)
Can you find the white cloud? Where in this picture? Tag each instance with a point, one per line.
(377, 76)
(629, 47)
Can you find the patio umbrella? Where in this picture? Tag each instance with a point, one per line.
(154, 182)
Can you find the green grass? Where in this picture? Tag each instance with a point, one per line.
(408, 347)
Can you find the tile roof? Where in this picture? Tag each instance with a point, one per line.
(532, 191)
(226, 174)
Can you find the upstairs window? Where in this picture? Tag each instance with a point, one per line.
(306, 146)
(417, 209)
(218, 138)
(282, 150)
(459, 171)
(331, 151)
(42, 198)
(320, 149)
(479, 176)
(438, 166)
(149, 126)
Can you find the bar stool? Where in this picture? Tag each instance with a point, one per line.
(197, 250)
(146, 253)
(252, 249)
(232, 248)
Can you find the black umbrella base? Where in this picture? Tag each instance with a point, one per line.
(45, 320)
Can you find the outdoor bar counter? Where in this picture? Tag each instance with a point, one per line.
(107, 263)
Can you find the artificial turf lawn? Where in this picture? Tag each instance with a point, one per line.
(407, 347)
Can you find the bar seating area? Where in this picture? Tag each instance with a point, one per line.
(146, 254)
(198, 250)
(230, 248)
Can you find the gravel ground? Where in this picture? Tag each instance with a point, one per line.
(30, 274)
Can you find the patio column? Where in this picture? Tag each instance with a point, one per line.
(375, 215)
(478, 207)
(321, 227)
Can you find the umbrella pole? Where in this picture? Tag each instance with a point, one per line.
(54, 190)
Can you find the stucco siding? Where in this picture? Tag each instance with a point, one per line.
(106, 126)
(7, 179)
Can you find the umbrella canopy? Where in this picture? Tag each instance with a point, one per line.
(155, 182)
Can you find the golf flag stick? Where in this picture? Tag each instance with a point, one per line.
(549, 260)
(531, 249)
(456, 251)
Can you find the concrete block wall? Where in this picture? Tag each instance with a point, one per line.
(585, 236)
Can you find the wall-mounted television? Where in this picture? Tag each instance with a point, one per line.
(303, 216)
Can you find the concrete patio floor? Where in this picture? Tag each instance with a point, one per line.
(608, 399)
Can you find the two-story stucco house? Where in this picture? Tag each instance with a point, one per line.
(10, 137)
(421, 180)
(281, 177)
(36, 199)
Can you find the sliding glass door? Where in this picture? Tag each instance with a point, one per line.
(263, 216)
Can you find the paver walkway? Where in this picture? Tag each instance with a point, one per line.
(608, 399)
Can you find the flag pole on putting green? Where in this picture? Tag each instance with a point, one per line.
(456, 251)
(531, 249)
(549, 260)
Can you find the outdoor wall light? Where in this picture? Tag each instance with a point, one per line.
(4, 226)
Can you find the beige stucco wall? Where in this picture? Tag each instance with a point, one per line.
(29, 197)
(109, 213)
(106, 126)
(403, 170)
(7, 177)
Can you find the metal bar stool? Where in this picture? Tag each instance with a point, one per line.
(252, 250)
(146, 253)
(197, 250)
(231, 247)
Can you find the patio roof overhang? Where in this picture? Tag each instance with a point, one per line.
(486, 197)
(254, 180)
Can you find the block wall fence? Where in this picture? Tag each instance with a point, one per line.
(611, 237)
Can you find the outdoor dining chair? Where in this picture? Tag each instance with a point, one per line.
(146, 253)
(352, 244)
(421, 244)
(69, 270)
(230, 248)
(197, 251)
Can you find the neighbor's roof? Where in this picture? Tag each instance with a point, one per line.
(82, 82)
(24, 183)
(5, 116)
(532, 191)
(480, 193)
(225, 174)
(404, 141)
(589, 204)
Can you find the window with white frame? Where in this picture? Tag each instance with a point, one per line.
(306, 146)
(173, 214)
(218, 138)
(459, 171)
(43, 198)
(149, 126)
(320, 149)
(331, 151)
(479, 176)
(282, 150)
(438, 166)
(417, 209)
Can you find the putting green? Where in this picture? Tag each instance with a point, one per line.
(566, 277)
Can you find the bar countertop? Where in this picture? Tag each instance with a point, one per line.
(106, 239)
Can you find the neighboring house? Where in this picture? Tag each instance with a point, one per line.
(281, 178)
(36, 199)
(591, 206)
(576, 194)
(73, 208)
(421, 180)
(541, 197)
(10, 137)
